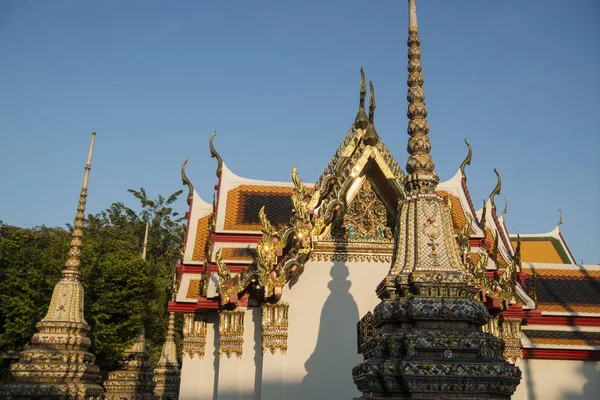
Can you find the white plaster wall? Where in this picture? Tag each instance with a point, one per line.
(325, 305)
(198, 375)
(237, 376)
(559, 380)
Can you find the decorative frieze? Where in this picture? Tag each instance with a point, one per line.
(194, 335)
(275, 327)
(231, 332)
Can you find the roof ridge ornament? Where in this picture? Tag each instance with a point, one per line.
(371, 137)
(467, 160)
(560, 220)
(496, 190)
(362, 121)
(186, 181)
(419, 166)
(505, 207)
(214, 154)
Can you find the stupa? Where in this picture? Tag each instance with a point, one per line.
(58, 364)
(426, 339)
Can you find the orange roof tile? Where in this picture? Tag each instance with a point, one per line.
(238, 253)
(539, 251)
(567, 290)
(193, 289)
(573, 338)
(201, 237)
(244, 202)
(458, 214)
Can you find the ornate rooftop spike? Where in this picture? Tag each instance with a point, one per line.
(371, 136)
(496, 190)
(361, 121)
(428, 341)
(186, 181)
(505, 208)
(166, 373)
(420, 166)
(467, 160)
(58, 364)
(214, 154)
(560, 221)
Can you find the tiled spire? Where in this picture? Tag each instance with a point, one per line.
(57, 363)
(420, 166)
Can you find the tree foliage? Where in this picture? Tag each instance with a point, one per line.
(123, 293)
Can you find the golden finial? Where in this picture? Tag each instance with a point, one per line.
(517, 256)
(72, 265)
(214, 154)
(532, 292)
(496, 190)
(560, 220)
(371, 136)
(467, 160)
(361, 121)
(505, 208)
(420, 165)
(186, 181)
(482, 221)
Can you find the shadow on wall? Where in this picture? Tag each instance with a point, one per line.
(591, 389)
(329, 368)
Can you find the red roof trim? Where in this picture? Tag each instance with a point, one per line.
(561, 354)
(563, 320)
(237, 238)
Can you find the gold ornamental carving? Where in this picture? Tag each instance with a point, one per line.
(231, 333)
(365, 220)
(194, 335)
(509, 330)
(275, 327)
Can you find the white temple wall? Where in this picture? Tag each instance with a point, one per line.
(559, 380)
(198, 375)
(325, 305)
(237, 376)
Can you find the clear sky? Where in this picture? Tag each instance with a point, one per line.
(279, 82)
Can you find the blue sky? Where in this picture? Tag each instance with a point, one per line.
(279, 82)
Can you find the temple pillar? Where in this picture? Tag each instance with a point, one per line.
(274, 336)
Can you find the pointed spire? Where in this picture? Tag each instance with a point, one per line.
(72, 265)
(420, 165)
(145, 242)
(371, 137)
(61, 342)
(361, 121)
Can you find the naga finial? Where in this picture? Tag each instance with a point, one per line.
(532, 292)
(467, 160)
(505, 207)
(517, 256)
(186, 181)
(496, 190)
(482, 220)
(361, 121)
(560, 220)
(371, 137)
(214, 154)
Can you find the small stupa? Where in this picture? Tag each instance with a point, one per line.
(427, 341)
(166, 373)
(57, 364)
